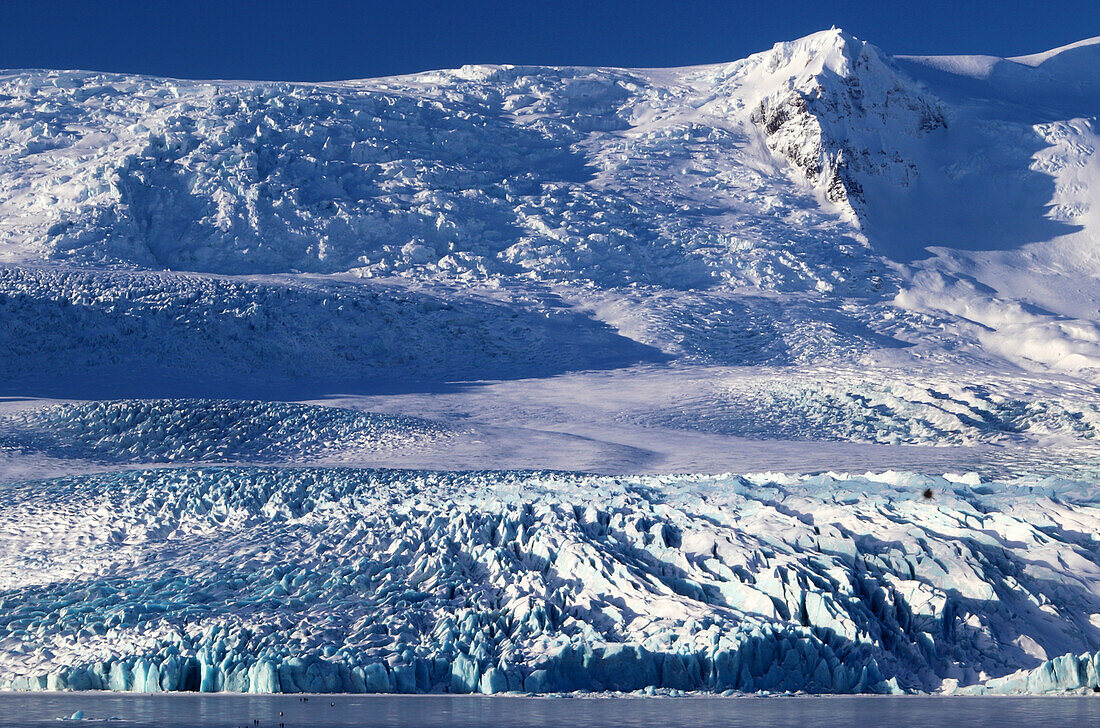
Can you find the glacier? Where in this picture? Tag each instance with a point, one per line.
(777, 375)
(346, 580)
(182, 430)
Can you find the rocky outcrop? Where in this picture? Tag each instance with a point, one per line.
(842, 113)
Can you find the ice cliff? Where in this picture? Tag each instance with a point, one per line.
(322, 580)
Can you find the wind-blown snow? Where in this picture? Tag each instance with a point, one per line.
(819, 257)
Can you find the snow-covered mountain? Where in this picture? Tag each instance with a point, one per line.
(815, 169)
(818, 258)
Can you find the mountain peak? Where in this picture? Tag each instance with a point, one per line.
(836, 108)
(832, 49)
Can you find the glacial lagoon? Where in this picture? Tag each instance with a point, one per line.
(24, 710)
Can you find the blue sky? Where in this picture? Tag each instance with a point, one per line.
(275, 39)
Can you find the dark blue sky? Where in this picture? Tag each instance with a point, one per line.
(275, 39)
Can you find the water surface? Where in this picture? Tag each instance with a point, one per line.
(321, 711)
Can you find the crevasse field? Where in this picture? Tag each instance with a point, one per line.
(776, 375)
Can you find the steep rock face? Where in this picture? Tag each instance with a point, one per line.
(841, 112)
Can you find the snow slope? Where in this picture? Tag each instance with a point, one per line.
(818, 258)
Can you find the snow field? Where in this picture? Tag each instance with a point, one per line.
(908, 244)
(821, 167)
(469, 175)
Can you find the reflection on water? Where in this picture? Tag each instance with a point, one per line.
(318, 711)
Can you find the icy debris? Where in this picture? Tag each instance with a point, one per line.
(596, 175)
(671, 181)
(243, 579)
(186, 430)
(513, 222)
